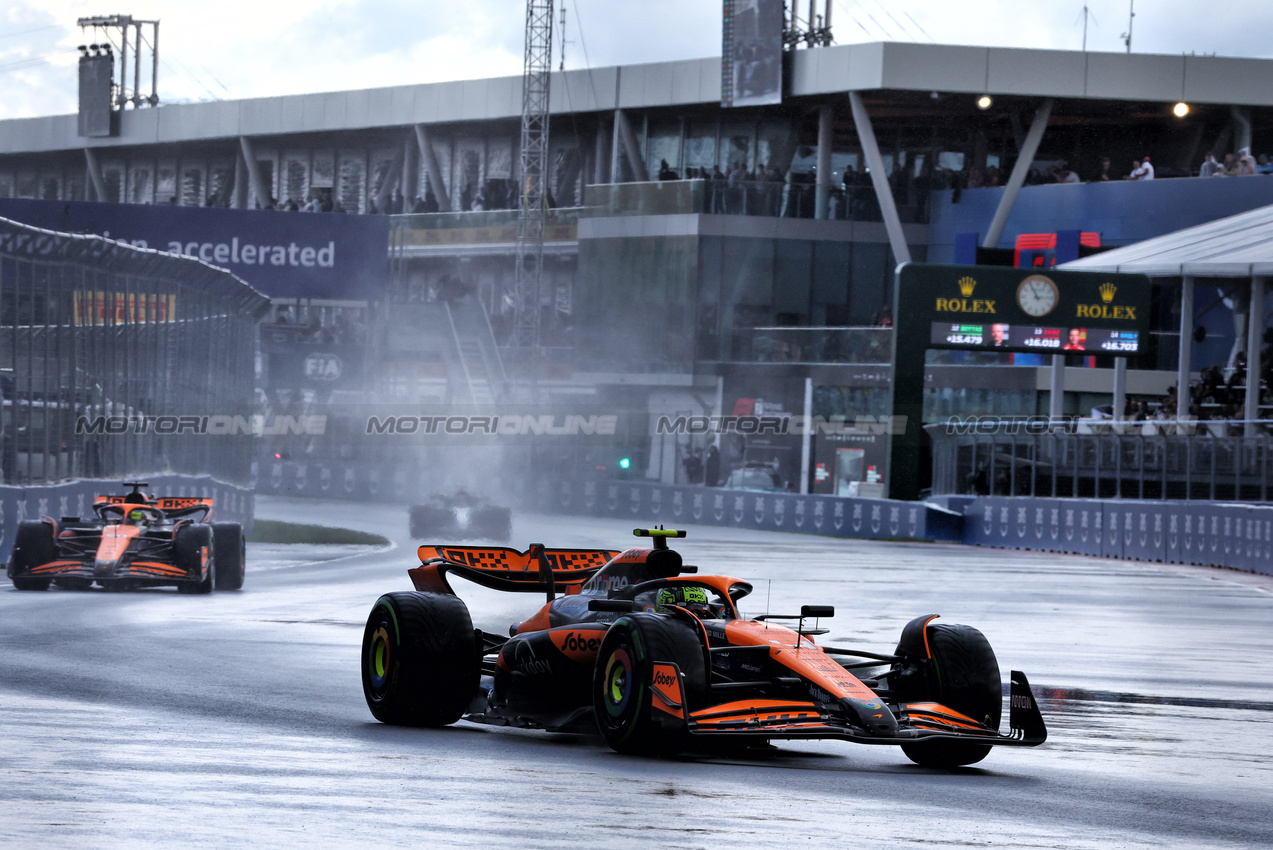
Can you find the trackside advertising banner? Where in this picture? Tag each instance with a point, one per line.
(281, 254)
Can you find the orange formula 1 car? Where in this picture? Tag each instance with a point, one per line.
(658, 658)
(132, 541)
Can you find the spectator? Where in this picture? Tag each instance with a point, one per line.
(1230, 167)
(1246, 163)
(1103, 175)
(395, 202)
(1209, 166)
(1062, 173)
(1262, 165)
(992, 177)
(1142, 171)
(666, 172)
(711, 468)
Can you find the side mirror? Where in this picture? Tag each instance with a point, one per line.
(817, 611)
(613, 606)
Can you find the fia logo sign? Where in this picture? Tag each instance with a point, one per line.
(323, 367)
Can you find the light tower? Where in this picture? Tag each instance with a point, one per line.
(533, 195)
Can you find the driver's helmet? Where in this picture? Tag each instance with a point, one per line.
(136, 516)
(690, 597)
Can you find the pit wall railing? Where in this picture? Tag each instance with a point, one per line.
(233, 502)
(1210, 461)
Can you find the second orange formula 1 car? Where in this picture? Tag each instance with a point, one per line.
(132, 541)
(637, 645)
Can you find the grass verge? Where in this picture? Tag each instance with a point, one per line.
(274, 531)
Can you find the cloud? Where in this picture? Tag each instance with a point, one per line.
(246, 48)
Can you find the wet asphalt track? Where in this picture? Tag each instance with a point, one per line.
(238, 719)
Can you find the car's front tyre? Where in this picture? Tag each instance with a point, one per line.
(963, 674)
(188, 549)
(623, 683)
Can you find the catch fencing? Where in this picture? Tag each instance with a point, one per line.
(115, 359)
(1210, 461)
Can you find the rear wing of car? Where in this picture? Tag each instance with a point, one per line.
(174, 507)
(537, 570)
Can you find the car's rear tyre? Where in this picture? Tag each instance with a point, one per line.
(187, 548)
(622, 684)
(964, 675)
(33, 546)
(231, 548)
(421, 660)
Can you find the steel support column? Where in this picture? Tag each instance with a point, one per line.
(1186, 347)
(1019, 172)
(879, 179)
(1056, 404)
(95, 174)
(631, 147)
(437, 181)
(822, 200)
(1120, 387)
(262, 192)
(1254, 340)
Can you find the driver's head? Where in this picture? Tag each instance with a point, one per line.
(136, 516)
(692, 598)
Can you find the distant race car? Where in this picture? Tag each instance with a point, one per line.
(659, 659)
(756, 476)
(462, 516)
(132, 541)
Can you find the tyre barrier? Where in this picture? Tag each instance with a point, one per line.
(75, 498)
(1228, 535)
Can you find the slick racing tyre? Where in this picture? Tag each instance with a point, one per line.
(964, 676)
(421, 659)
(227, 537)
(187, 552)
(622, 683)
(34, 546)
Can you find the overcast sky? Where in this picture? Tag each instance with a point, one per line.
(239, 49)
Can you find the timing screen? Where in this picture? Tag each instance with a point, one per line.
(1034, 338)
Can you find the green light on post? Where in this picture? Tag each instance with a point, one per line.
(624, 462)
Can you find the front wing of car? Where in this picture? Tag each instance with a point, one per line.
(767, 718)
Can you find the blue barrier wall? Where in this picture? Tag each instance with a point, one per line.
(75, 498)
(1229, 535)
(643, 502)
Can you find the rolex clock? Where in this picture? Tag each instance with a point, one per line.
(1037, 295)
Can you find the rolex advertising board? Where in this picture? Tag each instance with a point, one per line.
(991, 308)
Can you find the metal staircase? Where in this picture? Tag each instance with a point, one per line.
(478, 356)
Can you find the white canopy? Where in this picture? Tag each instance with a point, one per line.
(1238, 246)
